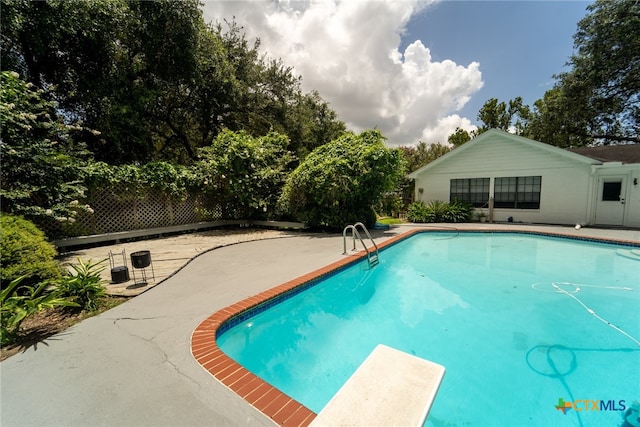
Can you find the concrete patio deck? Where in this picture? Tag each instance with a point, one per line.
(132, 365)
(168, 254)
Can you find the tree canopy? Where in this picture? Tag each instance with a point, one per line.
(155, 79)
(511, 116)
(597, 101)
(459, 137)
(42, 165)
(602, 89)
(421, 154)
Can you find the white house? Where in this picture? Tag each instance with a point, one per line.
(512, 178)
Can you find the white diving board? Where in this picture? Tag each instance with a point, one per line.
(390, 388)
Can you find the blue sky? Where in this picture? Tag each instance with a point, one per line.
(520, 45)
(415, 69)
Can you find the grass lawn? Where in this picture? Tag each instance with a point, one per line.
(390, 221)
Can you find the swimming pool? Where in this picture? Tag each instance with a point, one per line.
(514, 333)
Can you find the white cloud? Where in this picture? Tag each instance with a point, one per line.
(349, 52)
(444, 127)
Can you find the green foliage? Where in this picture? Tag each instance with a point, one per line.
(422, 154)
(84, 286)
(19, 302)
(513, 116)
(553, 123)
(459, 137)
(439, 211)
(245, 174)
(596, 101)
(390, 204)
(25, 253)
(310, 123)
(156, 79)
(340, 182)
(109, 61)
(389, 221)
(457, 212)
(601, 88)
(42, 166)
(418, 212)
(173, 180)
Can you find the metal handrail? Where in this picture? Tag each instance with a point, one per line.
(367, 233)
(354, 234)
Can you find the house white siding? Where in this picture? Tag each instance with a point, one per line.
(566, 195)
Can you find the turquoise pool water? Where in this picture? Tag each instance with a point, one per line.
(519, 322)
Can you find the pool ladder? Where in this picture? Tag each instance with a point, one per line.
(372, 255)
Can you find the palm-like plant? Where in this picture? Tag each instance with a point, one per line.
(15, 307)
(84, 286)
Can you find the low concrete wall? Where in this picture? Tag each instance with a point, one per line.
(160, 231)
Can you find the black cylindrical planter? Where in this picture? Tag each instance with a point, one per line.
(120, 274)
(141, 259)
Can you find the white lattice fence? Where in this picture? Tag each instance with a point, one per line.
(117, 210)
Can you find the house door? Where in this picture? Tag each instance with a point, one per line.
(610, 205)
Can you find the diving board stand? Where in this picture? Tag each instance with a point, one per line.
(390, 388)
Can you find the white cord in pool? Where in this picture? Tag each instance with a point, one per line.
(578, 286)
(590, 311)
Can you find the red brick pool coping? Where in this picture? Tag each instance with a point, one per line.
(278, 406)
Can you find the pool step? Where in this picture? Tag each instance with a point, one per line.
(390, 388)
(629, 253)
(373, 260)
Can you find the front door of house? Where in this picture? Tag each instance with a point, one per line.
(611, 199)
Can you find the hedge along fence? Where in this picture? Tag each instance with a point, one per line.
(146, 208)
(127, 198)
(238, 177)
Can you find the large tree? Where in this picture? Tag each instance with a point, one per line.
(602, 88)
(310, 123)
(459, 137)
(598, 100)
(108, 63)
(42, 165)
(553, 121)
(512, 116)
(66, 44)
(155, 79)
(421, 154)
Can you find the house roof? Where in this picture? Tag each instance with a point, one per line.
(629, 153)
(496, 133)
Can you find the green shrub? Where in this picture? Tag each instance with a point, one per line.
(340, 182)
(19, 302)
(418, 212)
(84, 285)
(25, 252)
(390, 204)
(438, 211)
(458, 212)
(245, 174)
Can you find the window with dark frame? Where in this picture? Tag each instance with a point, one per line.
(521, 192)
(474, 191)
(611, 191)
